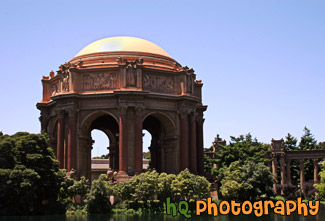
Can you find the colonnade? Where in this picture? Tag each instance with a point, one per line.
(285, 173)
(66, 156)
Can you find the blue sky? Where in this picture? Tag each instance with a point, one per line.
(261, 61)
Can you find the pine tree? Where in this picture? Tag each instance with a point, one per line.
(308, 142)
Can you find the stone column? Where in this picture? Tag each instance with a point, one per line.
(192, 149)
(72, 141)
(138, 140)
(184, 140)
(302, 176)
(60, 139)
(122, 141)
(316, 179)
(200, 150)
(274, 172)
(288, 167)
(282, 172)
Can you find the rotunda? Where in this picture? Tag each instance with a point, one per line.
(121, 86)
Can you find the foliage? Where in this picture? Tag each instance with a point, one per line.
(251, 181)
(187, 186)
(242, 149)
(290, 142)
(308, 142)
(165, 185)
(29, 173)
(321, 187)
(79, 188)
(97, 200)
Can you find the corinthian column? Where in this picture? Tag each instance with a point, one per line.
(274, 172)
(184, 139)
(316, 179)
(138, 139)
(122, 141)
(193, 151)
(60, 139)
(72, 141)
(200, 150)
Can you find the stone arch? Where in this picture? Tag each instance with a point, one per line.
(106, 122)
(164, 141)
(87, 121)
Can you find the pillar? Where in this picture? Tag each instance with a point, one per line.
(288, 167)
(192, 146)
(122, 141)
(302, 176)
(60, 139)
(316, 179)
(282, 172)
(184, 140)
(200, 150)
(72, 141)
(274, 172)
(138, 140)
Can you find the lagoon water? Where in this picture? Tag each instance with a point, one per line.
(163, 217)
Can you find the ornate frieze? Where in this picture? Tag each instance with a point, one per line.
(99, 81)
(158, 83)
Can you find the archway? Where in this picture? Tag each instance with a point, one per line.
(107, 125)
(162, 143)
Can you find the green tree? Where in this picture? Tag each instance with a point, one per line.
(290, 144)
(242, 149)
(165, 185)
(308, 142)
(187, 186)
(97, 200)
(29, 174)
(79, 188)
(251, 181)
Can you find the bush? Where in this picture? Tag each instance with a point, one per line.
(97, 200)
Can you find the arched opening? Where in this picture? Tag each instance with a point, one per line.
(102, 145)
(146, 142)
(162, 142)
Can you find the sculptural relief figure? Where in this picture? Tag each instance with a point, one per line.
(101, 81)
(54, 90)
(164, 84)
(65, 83)
(131, 77)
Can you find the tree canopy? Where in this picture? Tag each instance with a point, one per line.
(29, 175)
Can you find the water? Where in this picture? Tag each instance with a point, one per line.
(163, 217)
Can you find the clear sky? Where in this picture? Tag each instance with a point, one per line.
(262, 62)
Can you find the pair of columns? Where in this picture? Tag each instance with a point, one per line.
(71, 152)
(123, 140)
(191, 142)
(286, 175)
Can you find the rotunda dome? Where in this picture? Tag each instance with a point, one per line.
(122, 44)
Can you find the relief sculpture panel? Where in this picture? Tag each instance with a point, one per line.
(99, 81)
(158, 83)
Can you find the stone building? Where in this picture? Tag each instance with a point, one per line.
(122, 85)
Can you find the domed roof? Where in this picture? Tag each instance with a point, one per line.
(122, 43)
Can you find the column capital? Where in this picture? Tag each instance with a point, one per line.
(315, 161)
(139, 109)
(72, 112)
(60, 113)
(184, 113)
(122, 109)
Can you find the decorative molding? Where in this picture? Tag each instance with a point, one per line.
(99, 81)
(158, 83)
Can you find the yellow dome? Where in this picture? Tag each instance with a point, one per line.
(122, 44)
